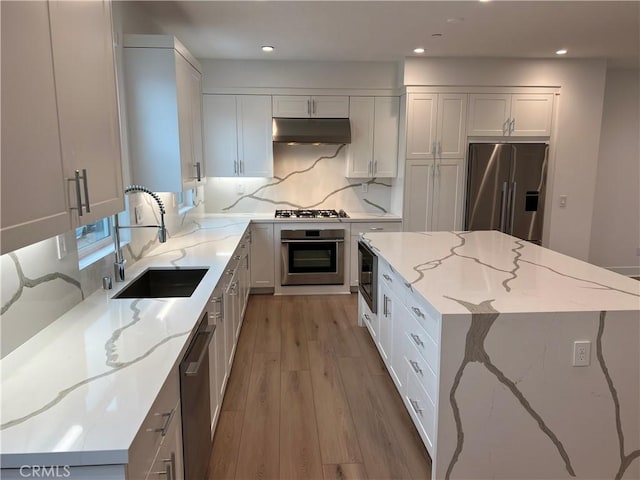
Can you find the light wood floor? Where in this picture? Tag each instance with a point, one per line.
(309, 398)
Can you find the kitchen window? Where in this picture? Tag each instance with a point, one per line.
(94, 242)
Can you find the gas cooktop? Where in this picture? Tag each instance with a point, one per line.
(311, 214)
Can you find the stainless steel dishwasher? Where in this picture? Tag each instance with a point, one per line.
(194, 396)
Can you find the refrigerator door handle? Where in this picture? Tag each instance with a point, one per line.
(503, 208)
(512, 207)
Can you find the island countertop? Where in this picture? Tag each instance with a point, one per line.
(520, 276)
(77, 392)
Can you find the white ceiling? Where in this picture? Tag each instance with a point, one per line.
(389, 30)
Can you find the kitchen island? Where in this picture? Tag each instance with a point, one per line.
(477, 330)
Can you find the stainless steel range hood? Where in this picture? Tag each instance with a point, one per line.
(311, 130)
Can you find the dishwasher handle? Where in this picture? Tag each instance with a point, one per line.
(194, 367)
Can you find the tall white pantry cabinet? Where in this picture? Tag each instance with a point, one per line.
(434, 171)
(61, 160)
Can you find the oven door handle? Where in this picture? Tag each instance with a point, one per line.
(324, 240)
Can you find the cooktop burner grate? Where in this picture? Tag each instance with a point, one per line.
(305, 213)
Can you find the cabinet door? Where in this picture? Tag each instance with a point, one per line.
(360, 153)
(421, 125)
(220, 342)
(168, 463)
(418, 195)
(452, 118)
(229, 315)
(330, 107)
(33, 183)
(488, 115)
(385, 138)
(531, 115)
(196, 171)
(262, 256)
(220, 135)
(255, 138)
(184, 84)
(291, 106)
(448, 195)
(83, 58)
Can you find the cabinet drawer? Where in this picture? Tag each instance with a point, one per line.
(421, 409)
(154, 427)
(422, 370)
(424, 313)
(423, 342)
(357, 228)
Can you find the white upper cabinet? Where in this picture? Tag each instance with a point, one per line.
(163, 97)
(301, 106)
(421, 125)
(501, 115)
(373, 151)
(436, 125)
(238, 135)
(59, 116)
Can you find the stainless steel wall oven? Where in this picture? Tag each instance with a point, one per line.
(368, 275)
(312, 257)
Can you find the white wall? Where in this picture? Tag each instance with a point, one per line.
(577, 130)
(221, 76)
(615, 233)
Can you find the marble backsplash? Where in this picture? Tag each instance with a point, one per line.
(305, 176)
(37, 286)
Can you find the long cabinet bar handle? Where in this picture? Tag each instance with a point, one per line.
(505, 126)
(86, 190)
(512, 126)
(313, 103)
(198, 173)
(375, 167)
(416, 367)
(309, 106)
(418, 312)
(235, 167)
(387, 277)
(78, 192)
(417, 339)
(366, 315)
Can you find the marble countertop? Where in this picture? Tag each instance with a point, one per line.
(72, 394)
(520, 276)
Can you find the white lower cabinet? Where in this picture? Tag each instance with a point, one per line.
(168, 463)
(262, 255)
(162, 418)
(434, 195)
(407, 334)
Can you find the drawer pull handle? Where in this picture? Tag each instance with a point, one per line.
(408, 285)
(416, 367)
(418, 312)
(416, 406)
(387, 277)
(367, 317)
(416, 339)
(165, 427)
(375, 229)
(236, 257)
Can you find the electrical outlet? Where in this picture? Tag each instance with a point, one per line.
(563, 201)
(581, 353)
(365, 187)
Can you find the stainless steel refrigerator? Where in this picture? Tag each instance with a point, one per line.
(506, 188)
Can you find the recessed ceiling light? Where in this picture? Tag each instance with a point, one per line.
(455, 20)
(267, 48)
(418, 50)
(562, 51)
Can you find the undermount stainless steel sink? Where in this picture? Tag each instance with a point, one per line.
(164, 283)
